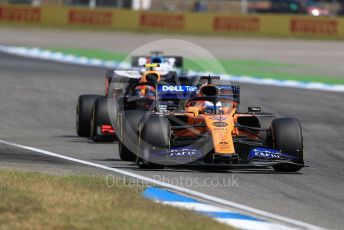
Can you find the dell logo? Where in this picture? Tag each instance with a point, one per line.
(178, 88)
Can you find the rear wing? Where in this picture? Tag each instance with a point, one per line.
(118, 80)
(184, 92)
(173, 61)
(179, 94)
(173, 97)
(123, 75)
(167, 91)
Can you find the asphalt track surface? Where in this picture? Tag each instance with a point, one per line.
(37, 109)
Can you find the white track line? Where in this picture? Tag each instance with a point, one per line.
(190, 192)
(256, 225)
(200, 207)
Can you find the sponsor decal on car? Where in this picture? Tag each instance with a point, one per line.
(264, 153)
(218, 118)
(220, 124)
(183, 152)
(162, 21)
(236, 24)
(176, 88)
(314, 27)
(270, 154)
(128, 73)
(32, 15)
(80, 17)
(220, 129)
(226, 148)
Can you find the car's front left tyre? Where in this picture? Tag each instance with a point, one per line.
(154, 132)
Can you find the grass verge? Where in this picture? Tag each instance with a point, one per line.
(39, 201)
(254, 68)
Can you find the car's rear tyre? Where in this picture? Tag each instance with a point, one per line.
(128, 134)
(155, 132)
(124, 153)
(84, 114)
(287, 137)
(104, 112)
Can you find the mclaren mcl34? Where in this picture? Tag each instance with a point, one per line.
(200, 125)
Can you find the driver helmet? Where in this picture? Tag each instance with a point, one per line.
(209, 107)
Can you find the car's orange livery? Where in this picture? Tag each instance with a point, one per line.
(203, 126)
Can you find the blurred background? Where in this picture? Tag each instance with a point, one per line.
(310, 7)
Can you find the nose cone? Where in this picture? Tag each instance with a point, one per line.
(221, 127)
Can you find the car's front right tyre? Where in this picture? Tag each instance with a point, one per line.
(287, 138)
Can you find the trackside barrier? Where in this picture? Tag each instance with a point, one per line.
(199, 23)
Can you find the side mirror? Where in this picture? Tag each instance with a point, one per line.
(253, 109)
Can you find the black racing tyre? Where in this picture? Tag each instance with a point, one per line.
(128, 134)
(287, 137)
(155, 131)
(104, 112)
(124, 153)
(84, 114)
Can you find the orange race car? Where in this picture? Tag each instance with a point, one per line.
(201, 126)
